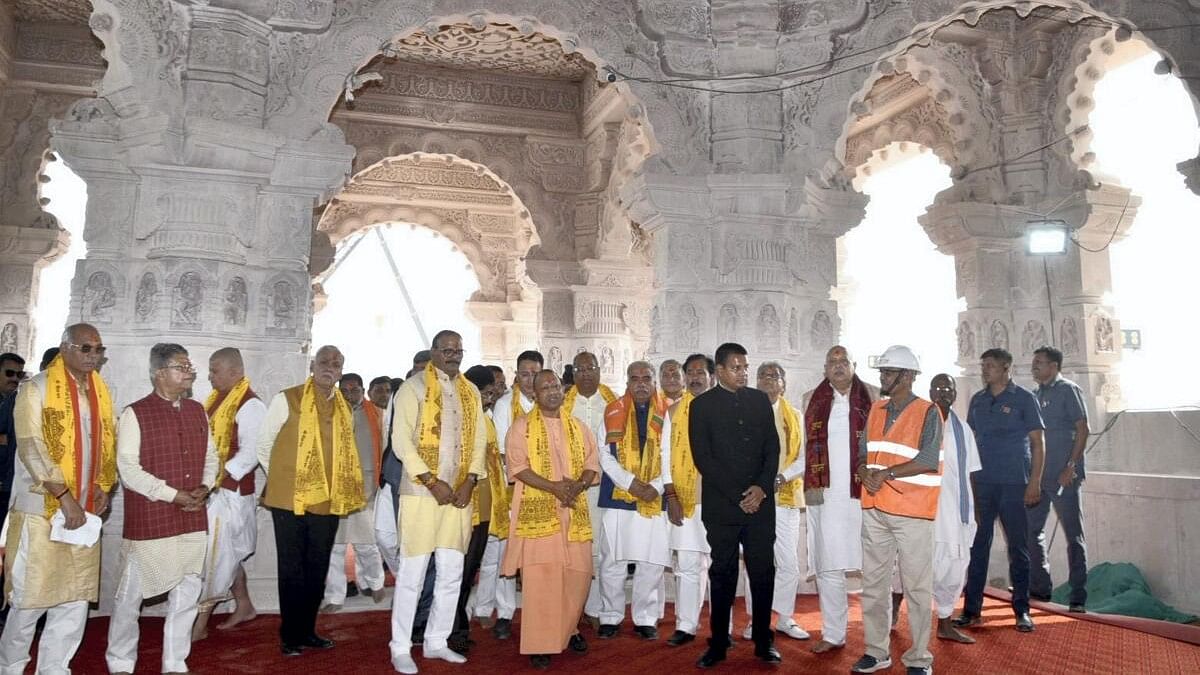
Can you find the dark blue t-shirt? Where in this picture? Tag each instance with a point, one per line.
(1002, 424)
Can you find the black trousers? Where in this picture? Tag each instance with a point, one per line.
(303, 545)
(757, 542)
(474, 556)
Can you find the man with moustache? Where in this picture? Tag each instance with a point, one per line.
(439, 434)
(681, 487)
(735, 447)
(65, 431)
(552, 458)
(901, 473)
(587, 399)
(167, 462)
(509, 407)
(835, 420)
(235, 415)
(380, 392)
(12, 371)
(308, 451)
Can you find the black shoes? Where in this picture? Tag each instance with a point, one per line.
(607, 631)
(1024, 623)
(460, 644)
(1040, 597)
(769, 655)
(290, 649)
(317, 642)
(646, 632)
(679, 638)
(577, 644)
(967, 621)
(1077, 608)
(540, 661)
(712, 656)
(503, 629)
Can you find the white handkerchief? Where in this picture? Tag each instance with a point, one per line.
(85, 535)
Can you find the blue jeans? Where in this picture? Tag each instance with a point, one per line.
(1068, 508)
(1008, 503)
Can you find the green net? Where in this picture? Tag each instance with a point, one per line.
(1120, 588)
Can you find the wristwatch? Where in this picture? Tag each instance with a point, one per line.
(891, 475)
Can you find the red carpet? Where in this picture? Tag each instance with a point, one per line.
(1061, 644)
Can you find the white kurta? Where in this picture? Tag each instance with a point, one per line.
(835, 527)
(628, 534)
(948, 527)
(233, 517)
(690, 536)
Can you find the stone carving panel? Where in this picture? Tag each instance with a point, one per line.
(1068, 334)
(8, 338)
(768, 330)
(187, 302)
(99, 298)
(729, 322)
(966, 341)
(236, 302)
(489, 46)
(821, 332)
(1106, 342)
(1033, 337)
(687, 328)
(998, 335)
(144, 301)
(793, 330)
(283, 308)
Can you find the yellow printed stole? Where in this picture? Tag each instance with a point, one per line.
(345, 494)
(516, 411)
(429, 436)
(791, 492)
(64, 437)
(221, 421)
(538, 513)
(684, 475)
(568, 405)
(645, 463)
(497, 485)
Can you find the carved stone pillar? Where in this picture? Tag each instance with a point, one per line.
(24, 252)
(1021, 302)
(505, 329)
(735, 261)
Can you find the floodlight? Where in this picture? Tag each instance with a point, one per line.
(1046, 238)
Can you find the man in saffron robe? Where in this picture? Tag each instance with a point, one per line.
(168, 463)
(552, 459)
(66, 444)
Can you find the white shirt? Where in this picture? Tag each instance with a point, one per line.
(502, 414)
(249, 420)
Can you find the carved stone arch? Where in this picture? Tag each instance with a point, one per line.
(604, 34)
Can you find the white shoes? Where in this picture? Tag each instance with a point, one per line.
(445, 654)
(404, 664)
(748, 634)
(790, 628)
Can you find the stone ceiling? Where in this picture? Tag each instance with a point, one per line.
(495, 47)
(52, 11)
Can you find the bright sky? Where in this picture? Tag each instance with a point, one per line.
(366, 315)
(1144, 125)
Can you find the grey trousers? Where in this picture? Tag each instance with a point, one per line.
(1069, 508)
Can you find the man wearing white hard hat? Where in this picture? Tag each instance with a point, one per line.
(902, 479)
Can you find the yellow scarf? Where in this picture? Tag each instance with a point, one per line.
(221, 421)
(497, 485)
(312, 488)
(538, 514)
(684, 476)
(429, 437)
(516, 403)
(787, 493)
(620, 423)
(64, 438)
(568, 406)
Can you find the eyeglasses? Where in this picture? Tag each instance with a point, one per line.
(587, 369)
(88, 349)
(451, 352)
(181, 367)
(770, 377)
(19, 374)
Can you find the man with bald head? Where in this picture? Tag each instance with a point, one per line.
(587, 399)
(308, 450)
(835, 419)
(235, 414)
(670, 380)
(65, 429)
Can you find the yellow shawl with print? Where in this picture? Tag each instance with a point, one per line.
(620, 424)
(345, 495)
(684, 476)
(790, 493)
(430, 431)
(64, 438)
(538, 512)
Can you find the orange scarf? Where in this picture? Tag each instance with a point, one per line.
(372, 414)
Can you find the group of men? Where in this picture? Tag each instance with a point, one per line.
(460, 484)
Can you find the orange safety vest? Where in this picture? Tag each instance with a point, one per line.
(910, 496)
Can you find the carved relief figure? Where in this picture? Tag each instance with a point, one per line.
(554, 359)
(821, 332)
(1105, 342)
(8, 338)
(189, 296)
(793, 331)
(655, 329)
(999, 334)
(729, 322)
(143, 304)
(606, 360)
(768, 329)
(687, 334)
(1033, 336)
(236, 302)
(966, 341)
(1070, 336)
(99, 297)
(281, 305)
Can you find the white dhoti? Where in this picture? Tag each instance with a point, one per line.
(386, 538)
(949, 577)
(689, 545)
(123, 631)
(630, 537)
(410, 579)
(359, 531)
(232, 537)
(834, 548)
(494, 592)
(595, 602)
